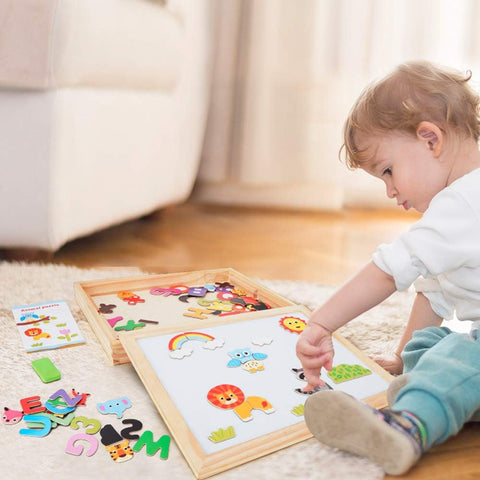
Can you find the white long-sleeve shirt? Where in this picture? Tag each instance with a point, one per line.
(442, 251)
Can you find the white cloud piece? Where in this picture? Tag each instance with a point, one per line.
(213, 344)
(181, 353)
(260, 341)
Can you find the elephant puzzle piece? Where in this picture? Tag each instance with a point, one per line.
(117, 406)
(230, 397)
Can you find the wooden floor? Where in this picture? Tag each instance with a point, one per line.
(316, 247)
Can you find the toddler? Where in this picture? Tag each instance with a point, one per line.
(417, 130)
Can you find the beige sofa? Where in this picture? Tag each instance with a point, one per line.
(103, 107)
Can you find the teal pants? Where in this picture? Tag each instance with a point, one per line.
(443, 388)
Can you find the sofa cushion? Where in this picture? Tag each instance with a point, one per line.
(110, 43)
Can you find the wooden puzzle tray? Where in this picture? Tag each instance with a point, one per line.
(125, 305)
(231, 389)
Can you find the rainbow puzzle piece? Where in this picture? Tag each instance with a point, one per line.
(344, 372)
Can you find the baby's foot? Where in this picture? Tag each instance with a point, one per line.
(385, 437)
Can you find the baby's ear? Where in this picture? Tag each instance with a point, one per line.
(432, 136)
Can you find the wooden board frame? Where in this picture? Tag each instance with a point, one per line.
(205, 465)
(85, 292)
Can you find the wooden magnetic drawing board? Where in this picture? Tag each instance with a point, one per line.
(194, 376)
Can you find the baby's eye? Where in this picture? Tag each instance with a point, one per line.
(387, 171)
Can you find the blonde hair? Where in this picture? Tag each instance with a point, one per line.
(412, 93)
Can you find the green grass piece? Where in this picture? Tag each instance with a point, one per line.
(299, 410)
(222, 434)
(345, 372)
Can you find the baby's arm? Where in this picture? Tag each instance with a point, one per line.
(366, 289)
(421, 316)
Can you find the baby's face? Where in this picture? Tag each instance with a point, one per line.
(412, 173)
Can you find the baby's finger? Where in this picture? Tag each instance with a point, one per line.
(313, 378)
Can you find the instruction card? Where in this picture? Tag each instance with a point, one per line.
(46, 326)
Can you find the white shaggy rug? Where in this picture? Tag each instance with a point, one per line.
(86, 369)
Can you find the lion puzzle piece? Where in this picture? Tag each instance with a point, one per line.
(345, 372)
(248, 360)
(230, 397)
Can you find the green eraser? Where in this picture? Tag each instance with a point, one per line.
(46, 370)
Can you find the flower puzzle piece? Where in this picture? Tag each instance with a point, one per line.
(116, 407)
(230, 397)
(344, 372)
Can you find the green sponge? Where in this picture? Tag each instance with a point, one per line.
(46, 370)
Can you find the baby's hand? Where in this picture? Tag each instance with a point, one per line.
(315, 350)
(391, 363)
